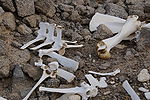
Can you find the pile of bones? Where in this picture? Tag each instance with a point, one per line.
(126, 30)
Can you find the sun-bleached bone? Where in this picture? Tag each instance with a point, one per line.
(49, 37)
(143, 89)
(105, 74)
(1, 98)
(113, 23)
(64, 61)
(130, 91)
(94, 82)
(41, 34)
(147, 95)
(130, 26)
(59, 45)
(146, 25)
(69, 97)
(85, 91)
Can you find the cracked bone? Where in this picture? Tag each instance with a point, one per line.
(69, 97)
(41, 34)
(66, 62)
(85, 91)
(94, 82)
(105, 74)
(131, 25)
(59, 45)
(1, 98)
(130, 91)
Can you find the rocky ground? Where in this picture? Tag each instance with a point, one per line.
(19, 21)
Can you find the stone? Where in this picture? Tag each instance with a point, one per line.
(143, 75)
(65, 15)
(52, 83)
(100, 9)
(85, 32)
(23, 29)
(66, 8)
(69, 97)
(102, 32)
(32, 71)
(4, 66)
(7, 19)
(116, 10)
(25, 7)
(75, 16)
(8, 5)
(78, 2)
(147, 6)
(76, 36)
(32, 20)
(1, 11)
(18, 73)
(46, 7)
(43, 98)
(133, 1)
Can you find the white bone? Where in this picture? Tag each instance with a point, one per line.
(143, 89)
(93, 81)
(65, 74)
(105, 74)
(85, 90)
(69, 97)
(146, 25)
(102, 83)
(49, 37)
(66, 62)
(43, 77)
(147, 95)
(130, 26)
(113, 23)
(130, 91)
(74, 46)
(41, 34)
(1, 98)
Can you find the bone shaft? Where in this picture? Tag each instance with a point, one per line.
(44, 76)
(102, 74)
(59, 34)
(74, 46)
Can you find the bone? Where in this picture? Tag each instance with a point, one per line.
(43, 77)
(93, 81)
(130, 91)
(82, 91)
(146, 25)
(41, 34)
(130, 26)
(1, 98)
(65, 74)
(69, 97)
(113, 23)
(66, 62)
(102, 83)
(143, 89)
(49, 37)
(106, 74)
(147, 95)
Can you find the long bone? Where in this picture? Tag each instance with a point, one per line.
(104, 46)
(1, 98)
(85, 91)
(41, 34)
(51, 71)
(59, 45)
(66, 62)
(106, 74)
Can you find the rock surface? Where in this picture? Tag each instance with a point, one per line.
(143, 75)
(8, 5)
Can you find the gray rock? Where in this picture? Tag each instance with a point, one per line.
(8, 21)
(85, 32)
(44, 98)
(102, 32)
(18, 73)
(66, 8)
(76, 36)
(100, 9)
(133, 1)
(8, 5)
(4, 66)
(1, 11)
(32, 20)
(116, 10)
(137, 12)
(147, 6)
(77, 2)
(32, 71)
(46, 7)
(23, 29)
(25, 7)
(52, 83)
(65, 15)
